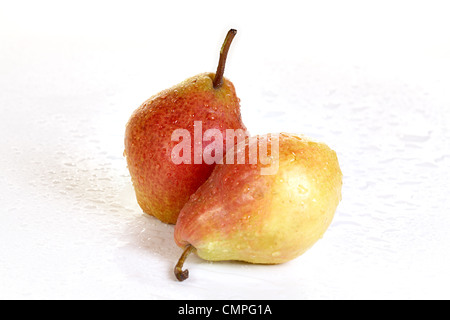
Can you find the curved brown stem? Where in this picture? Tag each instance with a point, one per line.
(218, 79)
(178, 270)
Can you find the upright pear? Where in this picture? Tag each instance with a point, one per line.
(248, 213)
(205, 101)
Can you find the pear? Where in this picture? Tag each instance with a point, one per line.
(206, 100)
(243, 213)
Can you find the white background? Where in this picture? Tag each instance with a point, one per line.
(370, 78)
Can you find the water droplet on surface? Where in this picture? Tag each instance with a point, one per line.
(293, 157)
(302, 189)
(276, 254)
(194, 197)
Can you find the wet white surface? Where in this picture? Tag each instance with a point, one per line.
(371, 81)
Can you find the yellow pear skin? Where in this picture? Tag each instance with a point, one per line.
(241, 214)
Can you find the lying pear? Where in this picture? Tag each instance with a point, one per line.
(162, 185)
(264, 212)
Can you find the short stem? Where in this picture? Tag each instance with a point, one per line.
(218, 79)
(178, 270)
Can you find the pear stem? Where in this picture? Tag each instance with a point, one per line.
(218, 79)
(178, 270)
